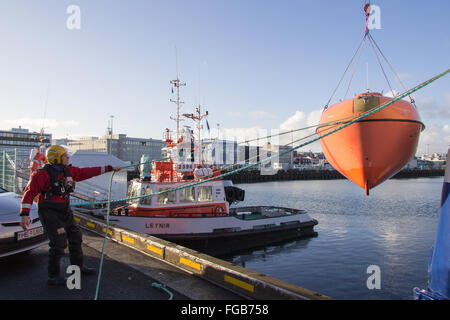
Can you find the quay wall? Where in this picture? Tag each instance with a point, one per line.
(244, 282)
(253, 176)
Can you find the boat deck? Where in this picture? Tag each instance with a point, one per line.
(263, 212)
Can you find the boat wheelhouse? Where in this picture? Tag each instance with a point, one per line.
(204, 200)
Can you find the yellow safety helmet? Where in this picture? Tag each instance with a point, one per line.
(54, 154)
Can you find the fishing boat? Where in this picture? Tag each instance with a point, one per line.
(185, 200)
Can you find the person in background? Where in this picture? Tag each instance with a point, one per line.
(53, 185)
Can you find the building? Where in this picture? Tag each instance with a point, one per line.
(123, 147)
(223, 153)
(284, 160)
(61, 141)
(218, 153)
(15, 148)
(22, 140)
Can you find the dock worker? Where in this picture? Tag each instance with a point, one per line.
(53, 185)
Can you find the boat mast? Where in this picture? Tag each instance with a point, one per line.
(177, 84)
(198, 116)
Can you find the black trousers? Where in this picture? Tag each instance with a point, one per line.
(61, 229)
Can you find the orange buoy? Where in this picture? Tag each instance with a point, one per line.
(375, 148)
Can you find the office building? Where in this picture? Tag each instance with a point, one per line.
(123, 147)
(22, 140)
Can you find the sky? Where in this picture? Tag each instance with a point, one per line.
(256, 66)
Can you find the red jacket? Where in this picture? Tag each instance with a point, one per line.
(40, 182)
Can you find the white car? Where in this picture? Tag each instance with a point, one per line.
(13, 239)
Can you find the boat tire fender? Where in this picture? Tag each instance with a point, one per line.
(218, 209)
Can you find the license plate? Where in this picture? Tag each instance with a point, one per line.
(26, 234)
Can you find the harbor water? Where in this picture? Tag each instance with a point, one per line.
(393, 229)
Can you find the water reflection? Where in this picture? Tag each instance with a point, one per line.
(264, 254)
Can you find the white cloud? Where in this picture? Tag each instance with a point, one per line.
(435, 139)
(429, 108)
(302, 120)
(393, 94)
(35, 124)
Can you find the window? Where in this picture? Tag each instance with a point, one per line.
(187, 195)
(134, 192)
(204, 194)
(146, 191)
(167, 197)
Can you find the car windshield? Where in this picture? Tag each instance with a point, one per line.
(3, 190)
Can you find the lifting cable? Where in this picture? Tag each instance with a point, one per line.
(381, 66)
(356, 64)
(357, 53)
(346, 69)
(390, 66)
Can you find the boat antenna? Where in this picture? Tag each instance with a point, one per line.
(177, 84)
(176, 60)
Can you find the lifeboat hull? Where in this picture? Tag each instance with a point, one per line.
(374, 149)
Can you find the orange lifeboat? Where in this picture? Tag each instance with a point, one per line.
(375, 148)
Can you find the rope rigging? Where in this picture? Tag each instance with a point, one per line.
(390, 66)
(357, 53)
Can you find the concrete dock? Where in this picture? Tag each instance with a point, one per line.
(24, 277)
(133, 264)
(126, 275)
(154, 252)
